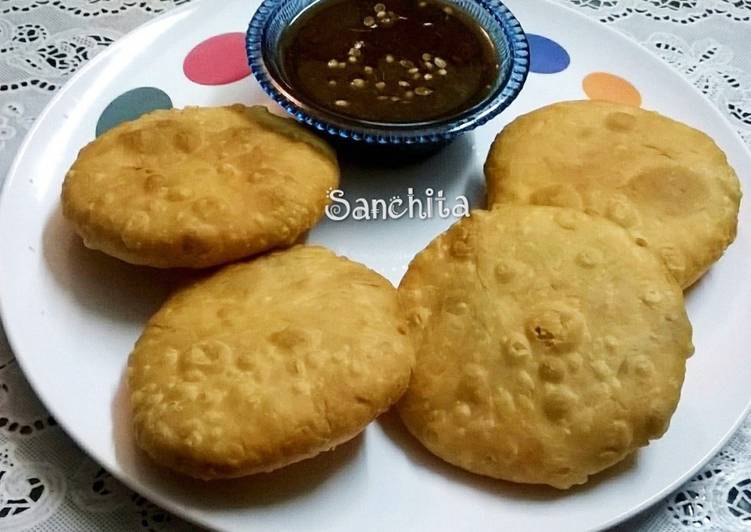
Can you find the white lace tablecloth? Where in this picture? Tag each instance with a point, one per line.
(48, 484)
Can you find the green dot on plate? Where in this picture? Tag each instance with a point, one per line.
(131, 105)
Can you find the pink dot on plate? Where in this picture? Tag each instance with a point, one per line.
(218, 60)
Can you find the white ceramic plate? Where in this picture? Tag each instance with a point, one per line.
(72, 315)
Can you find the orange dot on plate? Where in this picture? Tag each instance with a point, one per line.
(612, 88)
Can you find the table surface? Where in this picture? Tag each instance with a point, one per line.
(48, 484)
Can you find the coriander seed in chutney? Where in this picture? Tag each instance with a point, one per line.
(395, 61)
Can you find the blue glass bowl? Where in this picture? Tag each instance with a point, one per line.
(274, 16)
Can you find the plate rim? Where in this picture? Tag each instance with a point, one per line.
(154, 495)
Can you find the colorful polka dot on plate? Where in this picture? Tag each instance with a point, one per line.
(546, 55)
(218, 60)
(130, 105)
(612, 88)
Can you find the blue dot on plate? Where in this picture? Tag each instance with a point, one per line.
(546, 55)
(131, 105)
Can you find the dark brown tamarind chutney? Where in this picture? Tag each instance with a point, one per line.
(390, 61)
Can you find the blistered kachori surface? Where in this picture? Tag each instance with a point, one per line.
(199, 187)
(670, 185)
(549, 346)
(266, 363)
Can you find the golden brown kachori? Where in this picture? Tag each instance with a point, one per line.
(670, 185)
(549, 346)
(199, 187)
(267, 363)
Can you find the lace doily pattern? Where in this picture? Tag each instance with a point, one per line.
(60, 55)
(46, 61)
(43, 42)
(69, 492)
(87, 8)
(21, 413)
(708, 64)
(672, 11)
(716, 500)
(47, 483)
(95, 490)
(30, 492)
(45, 477)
